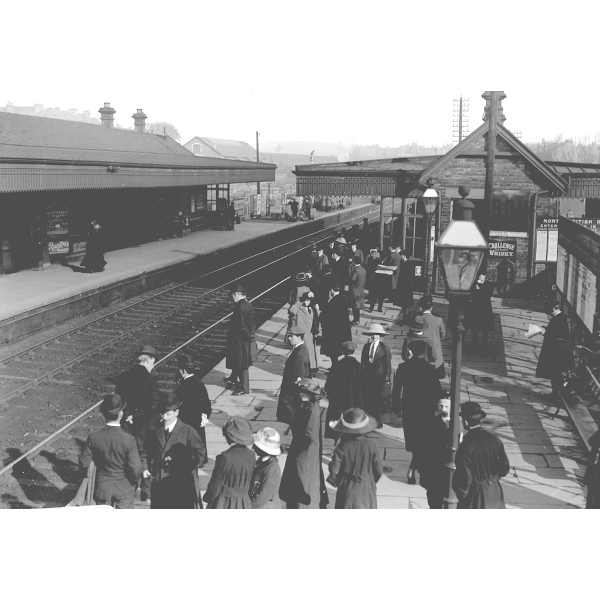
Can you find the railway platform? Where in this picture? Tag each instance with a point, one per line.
(31, 301)
(547, 456)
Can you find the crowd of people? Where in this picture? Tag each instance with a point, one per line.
(157, 439)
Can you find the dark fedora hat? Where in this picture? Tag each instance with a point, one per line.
(112, 404)
(355, 421)
(149, 350)
(419, 323)
(238, 287)
(167, 401)
(239, 431)
(471, 411)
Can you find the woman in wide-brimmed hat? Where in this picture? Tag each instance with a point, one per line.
(418, 330)
(303, 481)
(356, 465)
(264, 487)
(230, 481)
(377, 360)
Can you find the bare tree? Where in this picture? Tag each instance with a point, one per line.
(581, 150)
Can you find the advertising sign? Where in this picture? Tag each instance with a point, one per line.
(56, 220)
(546, 247)
(61, 247)
(503, 248)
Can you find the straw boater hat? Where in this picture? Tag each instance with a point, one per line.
(376, 328)
(239, 431)
(268, 441)
(354, 421)
(418, 324)
(311, 386)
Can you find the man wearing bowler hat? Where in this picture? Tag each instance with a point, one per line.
(240, 337)
(139, 391)
(480, 463)
(346, 387)
(296, 367)
(115, 454)
(170, 458)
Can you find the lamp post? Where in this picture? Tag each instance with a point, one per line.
(430, 201)
(461, 249)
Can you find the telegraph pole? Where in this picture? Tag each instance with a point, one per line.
(257, 160)
(460, 119)
(492, 112)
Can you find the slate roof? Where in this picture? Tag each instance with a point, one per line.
(29, 138)
(383, 166)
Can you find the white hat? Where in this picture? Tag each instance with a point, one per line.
(376, 328)
(268, 441)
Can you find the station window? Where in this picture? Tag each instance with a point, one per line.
(414, 240)
(197, 149)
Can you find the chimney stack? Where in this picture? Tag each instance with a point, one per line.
(139, 120)
(106, 115)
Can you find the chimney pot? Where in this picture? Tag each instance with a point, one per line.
(106, 115)
(139, 120)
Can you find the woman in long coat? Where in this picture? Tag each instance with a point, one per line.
(303, 482)
(404, 289)
(196, 407)
(335, 325)
(436, 332)
(419, 330)
(266, 478)
(93, 261)
(356, 465)
(416, 392)
(356, 294)
(230, 481)
(480, 316)
(378, 369)
(305, 318)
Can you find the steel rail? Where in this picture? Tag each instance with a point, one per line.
(113, 341)
(86, 412)
(79, 329)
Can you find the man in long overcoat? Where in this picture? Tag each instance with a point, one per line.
(480, 316)
(321, 262)
(555, 357)
(195, 407)
(358, 278)
(171, 457)
(239, 342)
(303, 482)
(404, 288)
(416, 392)
(115, 454)
(335, 325)
(346, 387)
(297, 366)
(139, 391)
(480, 463)
(339, 268)
(377, 361)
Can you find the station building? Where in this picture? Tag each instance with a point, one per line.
(528, 198)
(57, 176)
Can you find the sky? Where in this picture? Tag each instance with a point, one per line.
(359, 117)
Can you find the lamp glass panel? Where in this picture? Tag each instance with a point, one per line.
(460, 266)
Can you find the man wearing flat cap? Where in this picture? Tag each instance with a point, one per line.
(480, 463)
(240, 337)
(115, 454)
(170, 458)
(139, 391)
(346, 387)
(296, 367)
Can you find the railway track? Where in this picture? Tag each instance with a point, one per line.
(49, 388)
